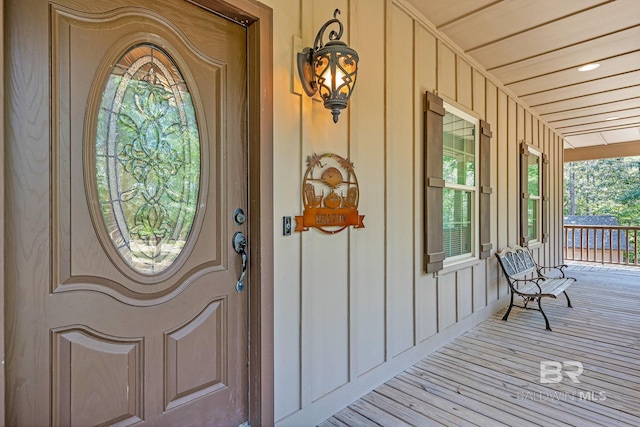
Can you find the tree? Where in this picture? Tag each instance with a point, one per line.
(604, 187)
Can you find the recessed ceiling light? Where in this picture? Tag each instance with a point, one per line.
(612, 118)
(589, 67)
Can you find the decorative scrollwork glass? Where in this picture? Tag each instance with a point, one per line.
(147, 159)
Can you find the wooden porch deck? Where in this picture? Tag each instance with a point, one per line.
(491, 375)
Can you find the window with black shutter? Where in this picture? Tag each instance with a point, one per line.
(457, 185)
(531, 202)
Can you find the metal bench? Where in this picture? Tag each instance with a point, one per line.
(527, 280)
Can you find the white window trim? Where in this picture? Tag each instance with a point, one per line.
(455, 261)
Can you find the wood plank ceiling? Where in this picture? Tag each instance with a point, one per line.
(535, 47)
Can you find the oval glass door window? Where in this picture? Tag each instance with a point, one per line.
(147, 159)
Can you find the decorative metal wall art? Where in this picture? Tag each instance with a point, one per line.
(330, 194)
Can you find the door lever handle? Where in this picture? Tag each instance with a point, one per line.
(239, 245)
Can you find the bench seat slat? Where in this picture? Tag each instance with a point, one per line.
(556, 286)
(550, 287)
(527, 288)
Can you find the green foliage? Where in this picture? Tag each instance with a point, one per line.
(604, 187)
(534, 176)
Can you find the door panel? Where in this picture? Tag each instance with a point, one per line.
(162, 345)
(77, 400)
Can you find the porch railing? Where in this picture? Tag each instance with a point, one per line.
(602, 244)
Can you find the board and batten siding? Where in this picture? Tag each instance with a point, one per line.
(355, 308)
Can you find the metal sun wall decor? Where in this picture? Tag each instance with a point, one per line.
(330, 194)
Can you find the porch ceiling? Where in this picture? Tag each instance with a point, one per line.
(534, 47)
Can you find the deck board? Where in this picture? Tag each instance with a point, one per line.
(354, 419)
(491, 374)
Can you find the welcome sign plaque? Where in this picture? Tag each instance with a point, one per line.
(330, 194)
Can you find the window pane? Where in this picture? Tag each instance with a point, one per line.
(459, 145)
(534, 175)
(457, 227)
(533, 219)
(147, 159)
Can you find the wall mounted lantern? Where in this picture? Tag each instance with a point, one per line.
(329, 69)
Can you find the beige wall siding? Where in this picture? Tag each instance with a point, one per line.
(367, 250)
(491, 105)
(505, 203)
(287, 180)
(355, 308)
(425, 78)
(400, 180)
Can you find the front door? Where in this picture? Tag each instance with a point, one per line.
(126, 167)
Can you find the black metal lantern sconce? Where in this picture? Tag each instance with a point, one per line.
(329, 69)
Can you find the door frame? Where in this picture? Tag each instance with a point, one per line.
(258, 19)
(2, 219)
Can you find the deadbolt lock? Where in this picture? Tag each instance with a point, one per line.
(239, 217)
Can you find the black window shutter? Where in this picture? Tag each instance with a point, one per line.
(524, 194)
(485, 190)
(433, 183)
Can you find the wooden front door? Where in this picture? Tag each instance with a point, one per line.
(126, 142)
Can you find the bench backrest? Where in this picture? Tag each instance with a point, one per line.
(516, 262)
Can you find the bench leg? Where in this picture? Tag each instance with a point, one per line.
(546, 321)
(568, 300)
(506, 315)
